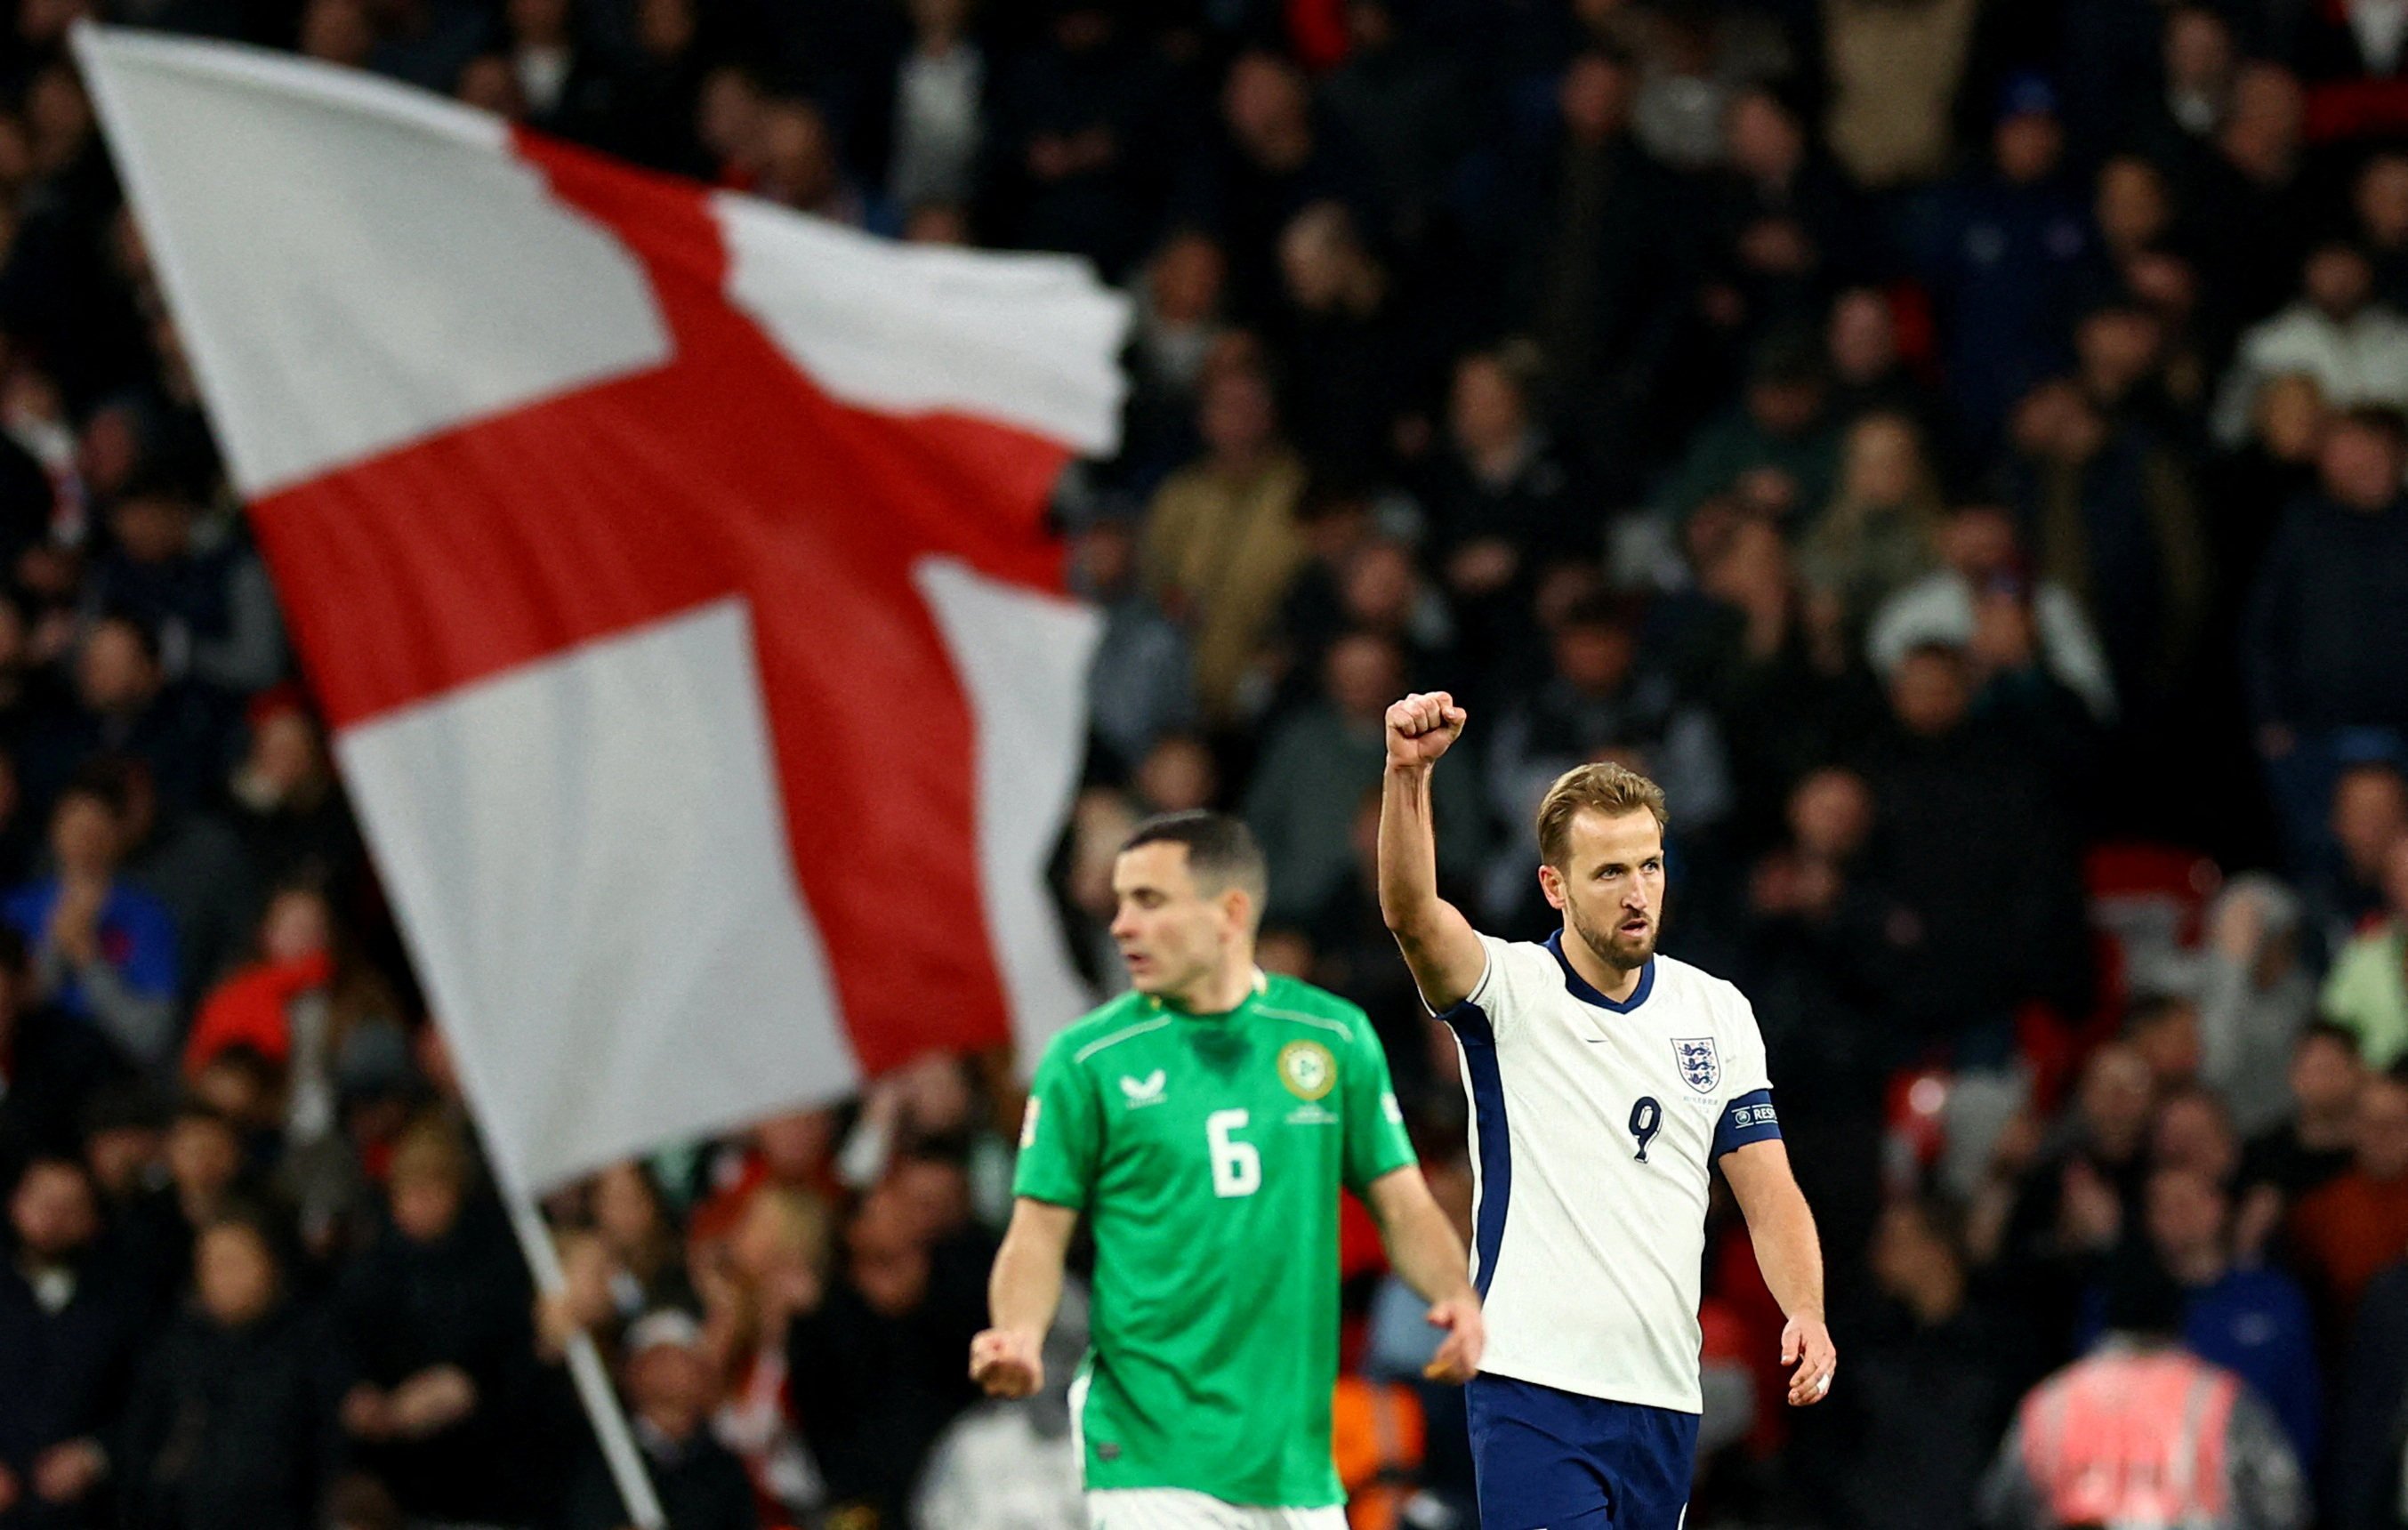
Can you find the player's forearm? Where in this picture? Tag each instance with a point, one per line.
(1421, 1242)
(1026, 1287)
(1409, 898)
(1788, 1252)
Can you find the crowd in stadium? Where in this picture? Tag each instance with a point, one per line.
(1956, 447)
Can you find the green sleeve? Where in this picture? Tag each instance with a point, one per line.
(1061, 1135)
(1376, 1142)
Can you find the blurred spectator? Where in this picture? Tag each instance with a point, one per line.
(2371, 1424)
(436, 1311)
(1599, 701)
(1868, 374)
(2251, 1322)
(1402, 102)
(567, 86)
(210, 606)
(2367, 991)
(1881, 531)
(1972, 602)
(2369, 815)
(2177, 124)
(1591, 285)
(2051, 1208)
(2327, 637)
(2314, 1144)
(2379, 200)
(1894, 72)
(2256, 999)
(1973, 837)
(126, 704)
(51, 1065)
(1315, 767)
(620, 1266)
(877, 1362)
(1274, 160)
(2109, 514)
(1502, 499)
(1786, 223)
(2337, 333)
(1221, 539)
(2163, 1029)
(795, 1150)
(194, 864)
(1142, 685)
(234, 1422)
(796, 165)
(1787, 690)
(669, 1387)
(939, 93)
(2141, 1431)
(2346, 1232)
(309, 1006)
(426, 42)
(285, 802)
(1177, 330)
(1350, 372)
(1776, 455)
(1928, 1379)
(2006, 242)
(69, 1331)
(2256, 189)
(102, 949)
(770, 1269)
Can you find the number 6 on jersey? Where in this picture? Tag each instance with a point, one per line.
(1237, 1167)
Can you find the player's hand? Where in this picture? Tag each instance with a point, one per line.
(1008, 1364)
(1422, 726)
(1807, 1344)
(1457, 1360)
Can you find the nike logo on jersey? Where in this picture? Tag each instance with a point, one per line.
(1145, 1090)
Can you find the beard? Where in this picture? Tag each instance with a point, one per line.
(1611, 945)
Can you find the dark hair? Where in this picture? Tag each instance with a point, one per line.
(1221, 850)
(2324, 1029)
(2149, 1008)
(14, 958)
(96, 782)
(2143, 1299)
(2387, 424)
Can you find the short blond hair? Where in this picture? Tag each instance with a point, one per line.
(1609, 788)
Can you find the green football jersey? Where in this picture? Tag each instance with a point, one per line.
(1207, 1152)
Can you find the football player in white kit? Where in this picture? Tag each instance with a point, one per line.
(1607, 1082)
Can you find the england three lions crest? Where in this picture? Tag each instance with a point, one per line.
(1700, 1069)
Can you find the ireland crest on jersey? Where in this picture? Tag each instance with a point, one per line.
(1700, 1069)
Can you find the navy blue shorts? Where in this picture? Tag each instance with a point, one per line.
(1550, 1459)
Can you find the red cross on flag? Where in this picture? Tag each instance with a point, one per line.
(671, 567)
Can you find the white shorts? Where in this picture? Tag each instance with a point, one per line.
(1177, 1508)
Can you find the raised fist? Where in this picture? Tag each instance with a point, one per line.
(1422, 726)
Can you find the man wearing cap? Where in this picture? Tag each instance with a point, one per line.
(2007, 242)
(669, 1388)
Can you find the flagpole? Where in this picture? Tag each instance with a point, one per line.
(592, 1379)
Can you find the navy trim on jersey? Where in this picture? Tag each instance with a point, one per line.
(1583, 990)
(1469, 1023)
(1747, 1119)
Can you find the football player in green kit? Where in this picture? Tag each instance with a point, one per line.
(1204, 1123)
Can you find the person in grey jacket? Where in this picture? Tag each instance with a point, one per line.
(2254, 997)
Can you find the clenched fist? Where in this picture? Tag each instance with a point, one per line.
(1422, 726)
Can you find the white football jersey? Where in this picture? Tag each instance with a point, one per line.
(1594, 1127)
